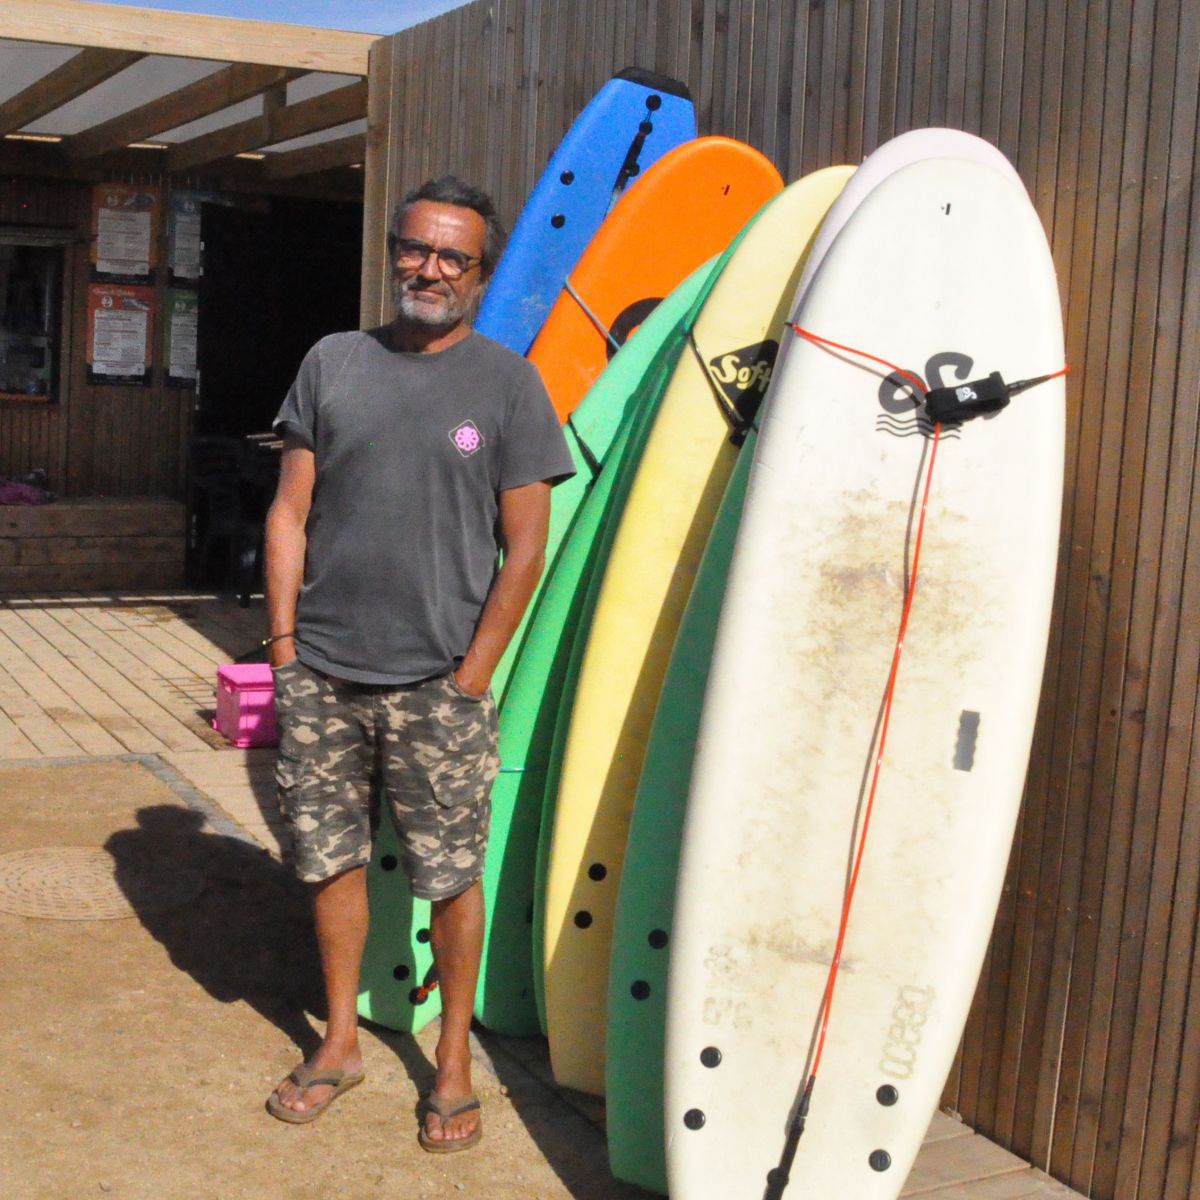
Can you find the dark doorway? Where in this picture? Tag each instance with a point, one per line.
(274, 282)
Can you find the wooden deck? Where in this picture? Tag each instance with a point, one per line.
(113, 674)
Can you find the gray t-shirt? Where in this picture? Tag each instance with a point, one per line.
(412, 451)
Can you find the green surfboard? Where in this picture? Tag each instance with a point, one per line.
(637, 991)
(585, 597)
(529, 701)
(397, 961)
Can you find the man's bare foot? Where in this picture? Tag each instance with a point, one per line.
(452, 1090)
(304, 1099)
(462, 1118)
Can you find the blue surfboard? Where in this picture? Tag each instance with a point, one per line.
(631, 122)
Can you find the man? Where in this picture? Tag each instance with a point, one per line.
(412, 454)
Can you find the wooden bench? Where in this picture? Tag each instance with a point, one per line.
(91, 544)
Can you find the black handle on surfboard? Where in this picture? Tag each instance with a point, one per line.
(656, 83)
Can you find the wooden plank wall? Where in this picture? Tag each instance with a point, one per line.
(1083, 1049)
(96, 440)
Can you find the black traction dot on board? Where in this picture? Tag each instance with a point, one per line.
(422, 936)
(597, 871)
(777, 1178)
(583, 919)
(710, 1057)
(654, 103)
(635, 169)
(639, 989)
(657, 939)
(887, 1095)
(558, 220)
(694, 1119)
(401, 972)
(880, 1160)
(646, 128)
(567, 177)
(388, 862)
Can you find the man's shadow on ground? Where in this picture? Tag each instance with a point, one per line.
(248, 935)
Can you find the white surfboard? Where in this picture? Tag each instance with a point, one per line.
(894, 154)
(943, 269)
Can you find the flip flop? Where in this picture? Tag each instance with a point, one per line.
(445, 1109)
(305, 1077)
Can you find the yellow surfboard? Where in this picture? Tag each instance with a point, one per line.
(687, 461)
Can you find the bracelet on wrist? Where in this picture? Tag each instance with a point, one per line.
(278, 637)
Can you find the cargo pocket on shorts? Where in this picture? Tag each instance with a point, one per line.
(467, 782)
(464, 818)
(470, 761)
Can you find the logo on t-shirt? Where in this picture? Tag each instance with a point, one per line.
(466, 438)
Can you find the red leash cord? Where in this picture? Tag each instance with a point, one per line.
(883, 732)
(910, 591)
(889, 694)
(820, 341)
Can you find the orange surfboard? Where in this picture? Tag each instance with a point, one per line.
(689, 206)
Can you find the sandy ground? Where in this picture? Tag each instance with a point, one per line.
(138, 1052)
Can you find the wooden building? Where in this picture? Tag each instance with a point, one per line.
(1083, 1049)
(113, 116)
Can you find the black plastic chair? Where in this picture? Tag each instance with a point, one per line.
(217, 531)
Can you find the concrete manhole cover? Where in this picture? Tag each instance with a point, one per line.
(80, 883)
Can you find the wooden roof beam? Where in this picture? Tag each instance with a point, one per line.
(157, 31)
(229, 85)
(76, 76)
(276, 124)
(325, 156)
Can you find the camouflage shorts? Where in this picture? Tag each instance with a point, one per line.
(428, 748)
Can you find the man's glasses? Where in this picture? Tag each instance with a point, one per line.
(410, 254)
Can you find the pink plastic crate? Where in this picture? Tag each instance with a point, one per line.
(246, 704)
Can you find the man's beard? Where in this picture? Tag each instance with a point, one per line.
(450, 313)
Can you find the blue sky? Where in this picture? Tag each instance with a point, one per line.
(365, 16)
